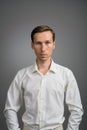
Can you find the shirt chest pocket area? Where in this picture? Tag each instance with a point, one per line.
(31, 90)
(56, 87)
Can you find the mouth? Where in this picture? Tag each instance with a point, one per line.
(43, 55)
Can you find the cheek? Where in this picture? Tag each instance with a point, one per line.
(51, 49)
(37, 51)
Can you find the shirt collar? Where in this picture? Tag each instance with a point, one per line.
(52, 67)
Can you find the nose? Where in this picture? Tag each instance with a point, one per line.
(43, 47)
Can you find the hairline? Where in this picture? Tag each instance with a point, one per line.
(40, 29)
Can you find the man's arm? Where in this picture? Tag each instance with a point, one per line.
(13, 104)
(11, 120)
(73, 101)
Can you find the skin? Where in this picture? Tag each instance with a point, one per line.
(43, 46)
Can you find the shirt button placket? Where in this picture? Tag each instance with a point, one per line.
(42, 103)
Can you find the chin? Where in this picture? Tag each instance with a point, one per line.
(44, 59)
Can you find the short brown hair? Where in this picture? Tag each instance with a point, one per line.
(42, 28)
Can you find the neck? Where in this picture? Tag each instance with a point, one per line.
(43, 66)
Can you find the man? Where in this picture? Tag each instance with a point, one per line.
(43, 87)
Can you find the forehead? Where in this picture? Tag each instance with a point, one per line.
(43, 35)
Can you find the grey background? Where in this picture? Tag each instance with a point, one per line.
(68, 18)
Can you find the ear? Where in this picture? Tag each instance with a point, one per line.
(54, 45)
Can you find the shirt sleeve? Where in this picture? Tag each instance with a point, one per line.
(13, 104)
(73, 100)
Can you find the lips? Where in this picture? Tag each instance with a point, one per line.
(43, 55)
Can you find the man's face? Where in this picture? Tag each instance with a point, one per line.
(43, 45)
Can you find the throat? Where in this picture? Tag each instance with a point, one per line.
(44, 67)
(43, 70)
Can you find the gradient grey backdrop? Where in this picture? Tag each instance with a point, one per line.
(68, 18)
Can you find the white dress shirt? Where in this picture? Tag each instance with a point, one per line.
(44, 98)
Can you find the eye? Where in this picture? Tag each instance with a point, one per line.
(38, 43)
(47, 42)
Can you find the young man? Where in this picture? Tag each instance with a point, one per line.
(42, 86)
